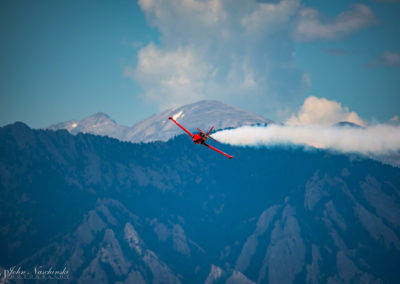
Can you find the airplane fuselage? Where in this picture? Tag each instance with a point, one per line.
(199, 138)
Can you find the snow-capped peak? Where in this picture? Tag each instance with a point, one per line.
(202, 114)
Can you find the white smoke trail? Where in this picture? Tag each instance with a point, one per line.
(374, 140)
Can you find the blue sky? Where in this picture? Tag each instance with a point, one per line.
(62, 60)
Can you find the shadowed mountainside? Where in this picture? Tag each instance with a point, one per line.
(175, 212)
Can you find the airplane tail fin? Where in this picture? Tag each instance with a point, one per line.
(209, 131)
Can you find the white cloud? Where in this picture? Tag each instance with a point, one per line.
(199, 20)
(269, 15)
(169, 76)
(374, 140)
(314, 126)
(311, 25)
(238, 51)
(176, 19)
(394, 121)
(391, 58)
(388, 58)
(320, 111)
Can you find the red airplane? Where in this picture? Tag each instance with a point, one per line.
(201, 138)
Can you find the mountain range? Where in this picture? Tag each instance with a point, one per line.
(173, 212)
(202, 114)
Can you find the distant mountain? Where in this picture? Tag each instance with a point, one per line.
(394, 121)
(176, 212)
(67, 125)
(202, 114)
(98, 124)
(347, 124)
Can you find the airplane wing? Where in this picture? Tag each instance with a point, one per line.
(219, 151)
(201, 131)
(183, 128)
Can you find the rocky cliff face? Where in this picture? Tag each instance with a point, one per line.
(175, 212)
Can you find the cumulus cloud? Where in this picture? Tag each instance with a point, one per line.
(312, 26)
(170, 76)
(388, 58)
(391, 58)
(240, 51)
(198, 21)
(394, 121)
(315, 126)
(320, 111)
(374, 140)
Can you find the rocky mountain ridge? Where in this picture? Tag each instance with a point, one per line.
(172, 212)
